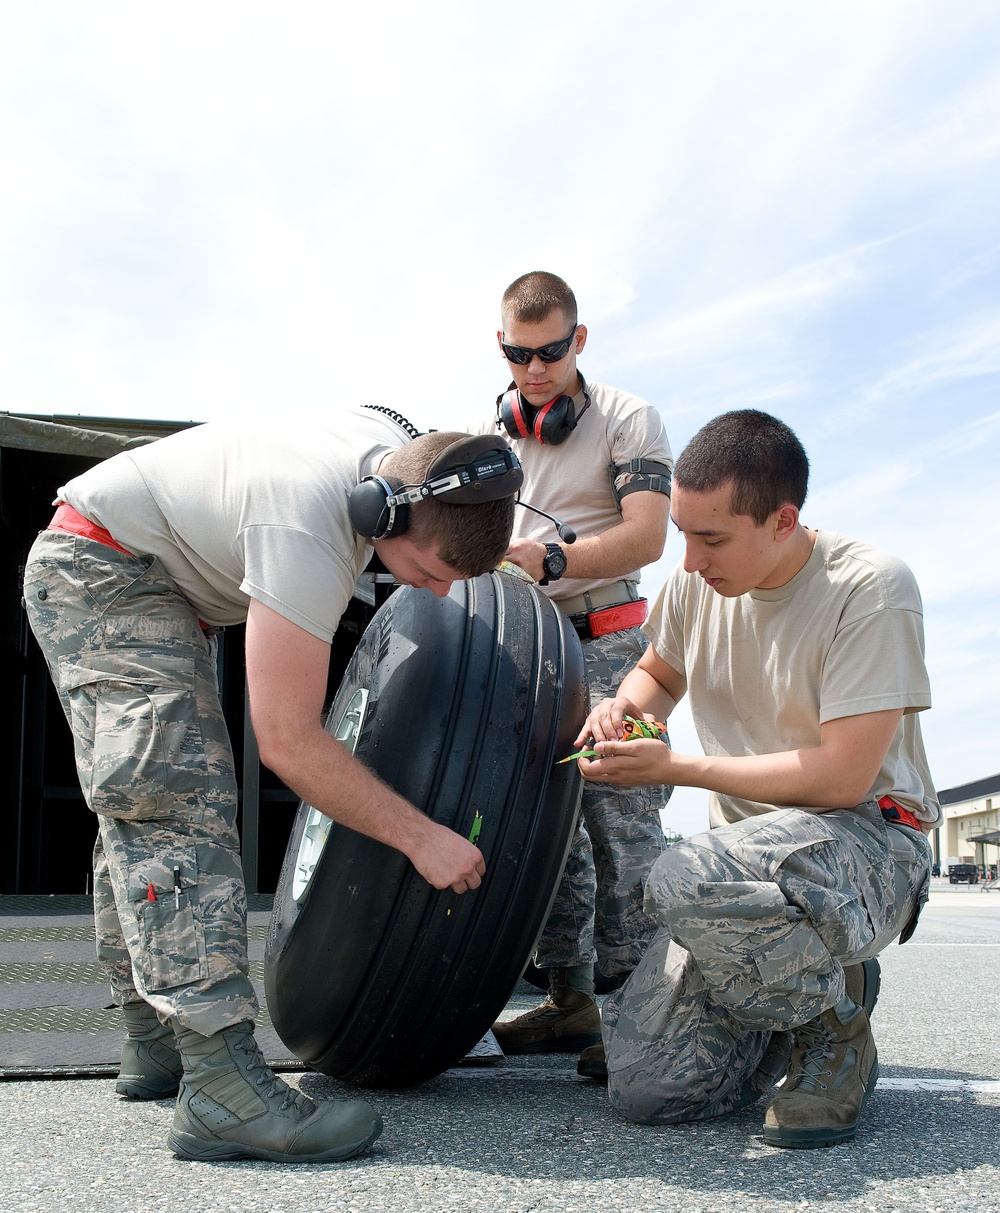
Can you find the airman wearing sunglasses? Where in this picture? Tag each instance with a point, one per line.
(598, 458)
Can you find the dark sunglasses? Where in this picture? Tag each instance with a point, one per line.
(553, 352)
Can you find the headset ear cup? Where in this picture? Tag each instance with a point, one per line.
(512, 414)
(370, 514)
(554, 421)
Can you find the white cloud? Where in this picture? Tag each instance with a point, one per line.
(222, 209)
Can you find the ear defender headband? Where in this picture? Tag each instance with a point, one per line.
(549, 423)
(474, 469)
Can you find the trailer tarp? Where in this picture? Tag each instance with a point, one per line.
(99, 437)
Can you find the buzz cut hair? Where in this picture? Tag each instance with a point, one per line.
(532, 298)
(470, 538)
(758, 455)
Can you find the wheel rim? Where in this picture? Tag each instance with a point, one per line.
(317, 827)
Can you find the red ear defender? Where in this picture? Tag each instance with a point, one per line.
(512, 411)
(549, 423)
(543, 432)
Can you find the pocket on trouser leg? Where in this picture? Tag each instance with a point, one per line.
(112, 949)
(136, 732)
(171, 949)
(761, 958)
(911, 856)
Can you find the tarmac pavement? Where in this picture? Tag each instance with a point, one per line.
(530, 1135)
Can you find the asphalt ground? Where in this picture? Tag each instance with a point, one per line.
(530, 1135)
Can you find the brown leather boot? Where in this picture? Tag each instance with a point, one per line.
(566, 1022)
(832, 1071)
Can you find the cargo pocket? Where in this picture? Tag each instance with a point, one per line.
(136, 731)
(172, 948)
(822, 869)
(783, 962)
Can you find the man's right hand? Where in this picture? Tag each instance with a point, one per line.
(606, 721)
(446, 860)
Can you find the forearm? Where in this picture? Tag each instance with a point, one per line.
(321, 771)
(837, 773)
(791, 778)
(325, 774)
(616, 552)
(647, 694)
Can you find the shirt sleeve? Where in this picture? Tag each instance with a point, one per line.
(875, 664)
(664, 628)
(639, 433)
(299, 576)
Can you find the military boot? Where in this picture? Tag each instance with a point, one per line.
(233, 1105)
(862, 982)
(832, 1071)
(568, 1021)
(593, 1062)
(151, 1066)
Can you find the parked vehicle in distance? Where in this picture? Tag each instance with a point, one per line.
(963, 873)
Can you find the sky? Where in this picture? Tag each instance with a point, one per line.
(235, 210)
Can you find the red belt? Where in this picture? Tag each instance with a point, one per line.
(72, 521)
(67, 519)
(591, 624)
(892, 811)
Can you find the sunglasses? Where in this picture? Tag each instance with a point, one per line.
(553, 352)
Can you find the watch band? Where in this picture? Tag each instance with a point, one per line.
(553, 551)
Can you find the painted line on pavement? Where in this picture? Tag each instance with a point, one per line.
(933, 1086)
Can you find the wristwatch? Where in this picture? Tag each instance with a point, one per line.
(554, 564)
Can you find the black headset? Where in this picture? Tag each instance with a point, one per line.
(474, 469)
(550, 423)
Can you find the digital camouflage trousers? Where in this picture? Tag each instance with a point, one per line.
(136, 674)
(598, 910)
(756, 922)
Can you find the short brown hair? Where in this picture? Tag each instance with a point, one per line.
(470, 538)
(533, 296)
(756, 453)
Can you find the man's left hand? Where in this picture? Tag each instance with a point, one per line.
(629, 764)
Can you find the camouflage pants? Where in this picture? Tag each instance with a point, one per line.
(598, 909)
(136, 675)
(756, 922)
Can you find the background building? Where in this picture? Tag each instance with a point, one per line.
(970, 832)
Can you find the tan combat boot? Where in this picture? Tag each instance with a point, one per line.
(566, 1022)
(233, 1105)
(151, 1066)
(862, 983)
(832, 1071)
(593, 1062)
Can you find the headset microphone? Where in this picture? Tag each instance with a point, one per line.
(566, 533)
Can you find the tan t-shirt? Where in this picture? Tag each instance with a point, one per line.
(573, 480)
(765, 670)
(237, 511)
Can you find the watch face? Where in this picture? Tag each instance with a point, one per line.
(555, 562)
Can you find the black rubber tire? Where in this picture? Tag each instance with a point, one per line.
(373, 976)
